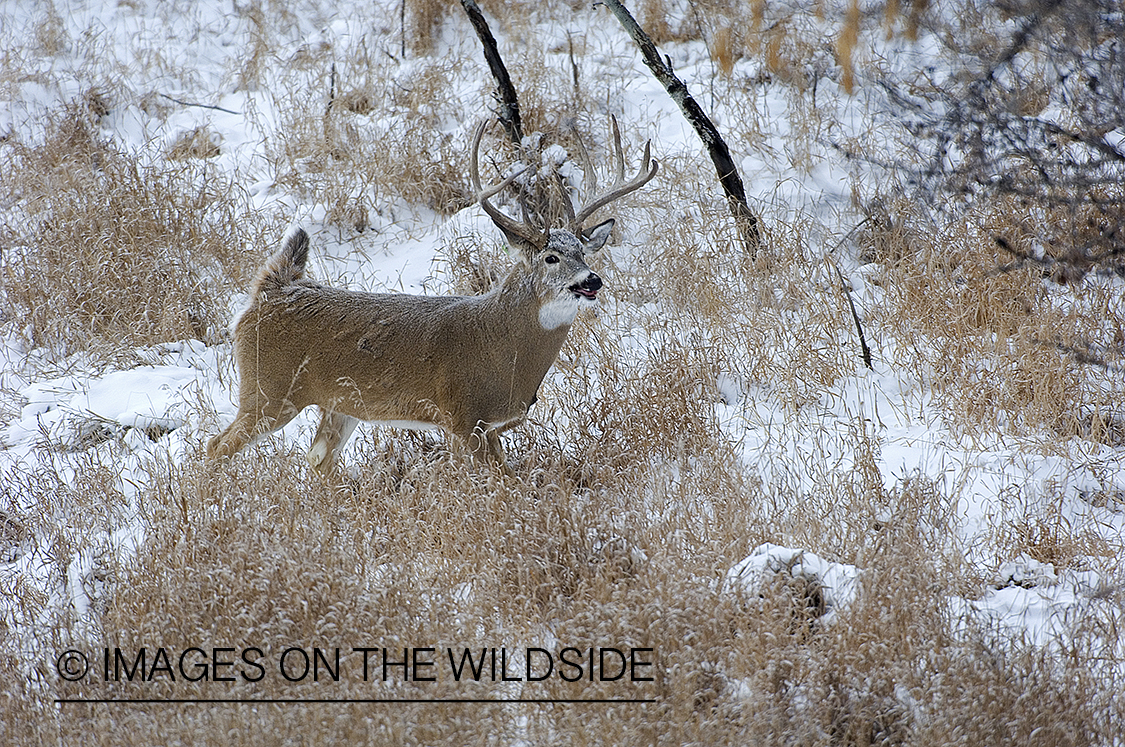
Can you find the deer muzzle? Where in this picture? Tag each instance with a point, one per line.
(588, 288)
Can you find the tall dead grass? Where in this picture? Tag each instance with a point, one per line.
(353, 156)
(631, 498)
(1007, 347)
(107, 251)
(427, 551)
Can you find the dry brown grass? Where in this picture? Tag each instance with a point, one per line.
(106, 251)
(424, 19)
(353, 158)
(1002, 351)
(631, 498)
(429, 551)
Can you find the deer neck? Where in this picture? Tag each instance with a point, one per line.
(541, 331)
(552, 316)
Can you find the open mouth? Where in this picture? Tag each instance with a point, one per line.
(590, 293)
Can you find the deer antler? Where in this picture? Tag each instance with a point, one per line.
(513, 229)
(620, 187)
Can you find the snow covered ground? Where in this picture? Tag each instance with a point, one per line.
(185, 56)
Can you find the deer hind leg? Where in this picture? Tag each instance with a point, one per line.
(252, 423)
(496, 449)
(333, 432)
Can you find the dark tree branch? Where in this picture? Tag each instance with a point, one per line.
(331, 91)
(745, 218)
(505, 92)
(865, 351)
(845, 287)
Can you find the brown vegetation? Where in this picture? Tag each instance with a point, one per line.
(632, 494)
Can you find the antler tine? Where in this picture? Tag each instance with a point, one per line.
(509, 226)
(622, 187)
(565, 199)
(618, 154)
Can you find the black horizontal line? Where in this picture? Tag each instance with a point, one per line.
(355, 700)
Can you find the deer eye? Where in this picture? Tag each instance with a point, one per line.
(552, 259)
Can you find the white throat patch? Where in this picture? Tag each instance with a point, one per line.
(557, 312)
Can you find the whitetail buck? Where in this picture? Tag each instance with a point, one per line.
(468, 364)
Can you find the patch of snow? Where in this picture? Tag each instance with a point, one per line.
(838, 583)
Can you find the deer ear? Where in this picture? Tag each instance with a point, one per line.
(595, 238)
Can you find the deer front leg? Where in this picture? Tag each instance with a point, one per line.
(496, 450)
(333, 432)
(484, 445)
(233, 438)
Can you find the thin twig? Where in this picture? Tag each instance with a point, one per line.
(1085, 357)
(331, 91)
(844, 286)
(855, 317)
(201, 106)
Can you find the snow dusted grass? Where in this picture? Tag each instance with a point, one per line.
(107, 252)
(713, 405)
(1010, 352)
(428, 550)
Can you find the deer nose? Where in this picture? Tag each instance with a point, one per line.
(591, 283)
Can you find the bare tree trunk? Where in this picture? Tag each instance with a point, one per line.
(505, 92)
(745, 218)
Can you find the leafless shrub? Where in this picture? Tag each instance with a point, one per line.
(1025, 121)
